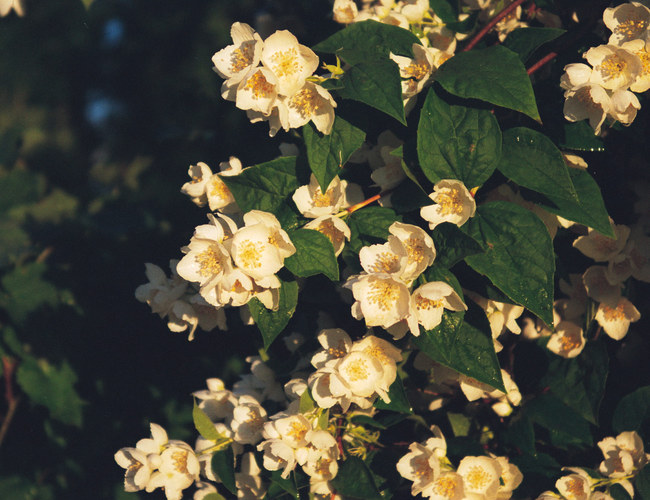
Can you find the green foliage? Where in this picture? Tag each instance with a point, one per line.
(642, 483)
(531, 160)
(518, 255)
(328, 153)
(52, 387)
(314, 255)
(457, 142)
(271, 323)
(447, 11)
(398, 399)
(566, 427)
(453, 245)
(633, 412)
(355, 480)
(495, 75)
(223, 465)
(525, 41)
(370, 225)
(204, 425)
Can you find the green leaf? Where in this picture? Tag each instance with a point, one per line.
(355, 480)
(367, 421)
(408, 196)
(398, 400)
(223, 465)
(642, 483)
(52, 387)
(27, 291)
(520, 434)
(214, 496)
(453, 245)
(589, 209)
(377, 84)
(280, 487)
(617, 492)
(525, 41)
(531, 160)
(265, 186)
(204, 425)
(307, 402)
(633, 411)
(579, 382)
(13, 241)
(328, 153)
(271, 323)
(19, 187)
(495, 75)
(22, 488)
(463, 342)
(518, 258)
(444, 10)
(370, 222)
(457, 142)
(314, 255)
(368, 40)
(460, 424)
(566, 427)
(579, 136)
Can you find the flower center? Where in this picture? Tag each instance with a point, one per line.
(428, 304)
(242, 57)
(259, 86)
(209, 261)
(285, 62)
(180, 461)
(383, 294)
(414, 250)
(449, 201)
(385, 262)
(327, 228)
(614, 313)
(417, 70)
(305, 102)
(445, 487)
(249, 253)
(569, 342)
(478, 478)
(631, 28)
(218, 189)
(575, 487)
(357, 370)
(612, 66)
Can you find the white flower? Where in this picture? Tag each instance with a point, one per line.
(138, 469)
(414, 10)
(362, 374)
(248, 420)
(385, 258)
(291, 62)
(336, 344)
(249, 481)
(195, 189)
(511, 478)
(234, 61)
(345, 11)
(568, 340)
(380, 299)
(625, 104)
(473, 390)
(616, 319)
(422, 466)
(615, 68)
(310, 103)
(429, 302)
(629, 21)
(598, 286)
(587, 102)
(205, 450)
(7, 5)
(416, 71)
(334, 228)
(203, 489)
(601, 248)
(480, 476)
(206, 259)
(261, 383)
(420, 250)
(576, 486)
(217, 402)
(179, 468)
(257, 91)
(624, 455)
(640, 49)
(387, 355)
(453, 203)
(313, 203)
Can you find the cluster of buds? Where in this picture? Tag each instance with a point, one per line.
(434, 476)
(605, 88)
(382, 293)
(624, 457)
(270, 80)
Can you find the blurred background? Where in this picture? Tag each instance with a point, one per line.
(103, 107)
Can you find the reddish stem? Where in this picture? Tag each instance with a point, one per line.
(370, 200)
(547, 58)
(8, 369)
(479, 36)
(339, 440)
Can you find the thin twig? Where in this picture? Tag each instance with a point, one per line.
(479, 36)
(370, 200)
(8, 368)
(547, 58)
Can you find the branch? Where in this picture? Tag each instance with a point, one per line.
(479, 36)
(8, 368)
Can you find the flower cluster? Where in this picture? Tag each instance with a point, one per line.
(208, 188)
(323, 207)
(434, 476)
(269, 79)
(382, 293)
(453, 203)
(605, 88)
(624, 457)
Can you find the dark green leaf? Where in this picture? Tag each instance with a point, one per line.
(367, 422)
(588, 210)
(520, 435)
(464, 344)
(525, 41)
(271, 323)
(355, 480)
(22, 488)
(307, 402)
(642, 483)
(453, 245)
(495, 75)
(580, 382)
(467, 25)
(19, 187)
(204, 425)
(328, 153)
(223, 465)
(460, 424)
(13, 241)
(580, 136)
(377, 84)
(369, 40)
(633, 411)
(565, 426)
(518, 258)
(314, 255)
(398, 400)
(370, 222)
(265, 186)
(531, 160)
(617, 492)
(457, 142)
(408, 196)
(52, 387)
(444, 10)
(280, 487)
